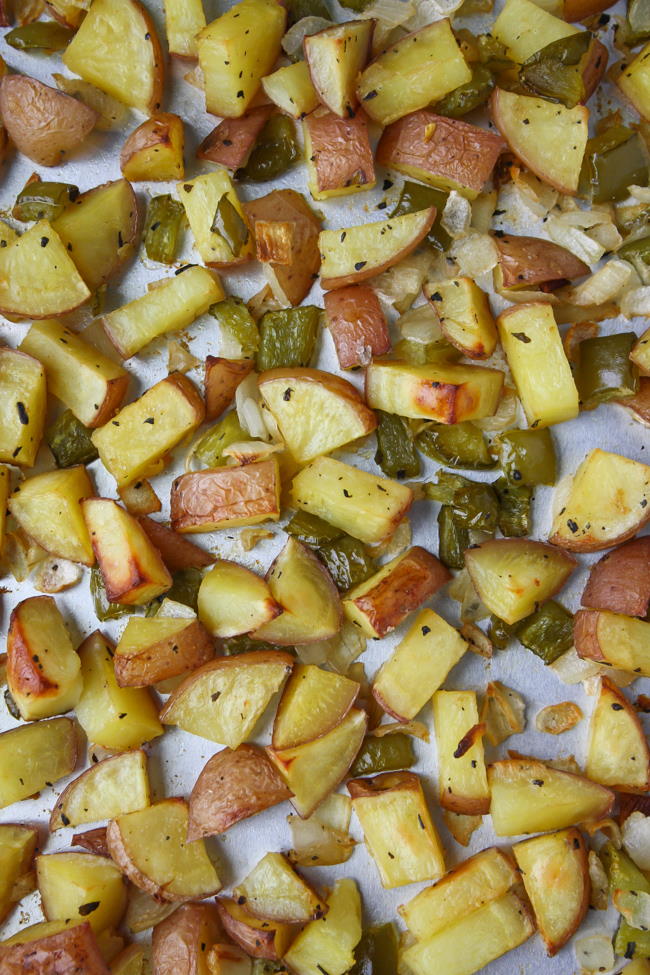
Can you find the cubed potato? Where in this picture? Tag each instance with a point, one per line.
(174, 304)
(70, 945)
(177, 552)
(290, 282)
(530, 262)
(133, 572)
(81, 885)
(313, 770)
(353, 254)
(329, 942)
(462, 779)
(179, 943)
(365, 506)
(33, 755)
(513, 575)
(232, 141)
(236, 51)
(335, 56)
(226, 497)
(445, 392)
(613, 639)
(634, 82)
(447, 153)
(101, 229)
(170, 871)
(17, 848)
(202, 197)
(43, 670)
(22, 405)
(223, 700)
(555, 873)
(258, 938)
(48, 509)
(234, 600)
(397, 828)
(86, 381)
(400, 81)
(183, 21)
(291, 89)
(314, 702)
(357, 324)
(136, 441)
(418, 666)
(154, 151)
(618, 754)
(232, 786)
(273, 890)
(316, 411)
(524, 27)
(465, 316)
(608, 501)
(540, 368)
(384, 600)
(112, 716)
(485, 935)
(140, 498)
(222, 377)
(117, 49)
(640, 354)
(338, 153)
(620, 581)
(549, 139)
(116, 785)
(483, 878)
(529, 796)
(155, 649)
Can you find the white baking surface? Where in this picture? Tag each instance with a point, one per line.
(177, 758)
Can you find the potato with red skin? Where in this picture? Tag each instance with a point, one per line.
(620, 581)
(258, 938)
(222, 377)
(153, 650)
(176, 552)
(154, 151)
(179, 943)
(530, 262)
(204, 501)
(338, 153)
(232, 786)
(232, 141)
(69, 952)
(613, 639)
(639, 404)
(93, 840)
(357, 324)
(335, 57)
(43, 123)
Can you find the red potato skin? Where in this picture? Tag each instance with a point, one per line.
(531, 262)
(441, 147)
(232, 786)
(176, 552)
(93, 840)
(585, 635)
(341, 151)
(629, 803)
(245, 930)
(167, 658)
(232, 141)
(23, 671)
(71, 952)
(176, 942)
(222, 377)
(202, 498)
(595, 68)
(620, 581)
(358, 325)
(153, 132)
(639, 404)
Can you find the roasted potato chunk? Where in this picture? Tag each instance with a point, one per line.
(81, 885)
(23, 405)
(183, 21)
(273, 890)
(258, 938)
(465, 316)
(203, 198)
(335, 56)
(314, 702)
(338, 153)
(291, 89)
(63, 947)
(330, 940)
(222, 377)
(633, 82)
(462, 779)
(525, 28)
(179, 943)
(48, 509)
(155, 649)
(205, 501)
(233, 600)
(620, 581)
(33, 755)
(620, 641)
(115, 785)
(357, 324)
(17, 848)
(232, 141)
(618, 754)
(177, 552)
(154, 151)
(530, 262)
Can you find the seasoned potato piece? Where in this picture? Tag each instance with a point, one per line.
(117, 49)
(183, 21)
(335, 56)
(274, 891)
(258, 938)
(226, 497)
(140, 498)
(620, 641)
(42, 122)
(53, 946)
(462, 779)
(314, 702)
(232, 141)
(634, 82)
(528, 262)
(330, 940)
(179, 943)
(115, 785)
(291, 89)
(177, 552)
(75, 885)
(155, 649)
(203, 198)
(620, 581)
(618, 754)
(154, 151)
(357, 324)
(34, 754)
(338, 153)
(233, 600)
(232, 786)
(465, 316)
(170, 871)
(23, 402)
(222, 377)
(640, 354)
(524, 28)
(17, 847)
(48, 508)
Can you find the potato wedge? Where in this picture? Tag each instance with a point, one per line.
(223, 700)
(524, 28)
(608, 501)
(633, 82)
(620, 581)
(155, 649)
(335, 56)
(530, 797)
(113, 717)
(232, 141)
(23, 403)
(136, 441)
(399, 80)
(513, 575)
(291, 89)
(116, 785)
(232, 786)
(556, 877)
(233, 600)
(397, 828)
(313, 770)
(354, 254)
(117, 49)
(615, 640)
(48, 509)
(43, 123)
(338, 153)
(222, 377)
(330, 940)
(17, 848)
(68, 945)
(179, 943)
(61, 288)
(357, 324)
(226, 497)
(177, 552)
(529, 262)
(43, 670)
(80, 885)
(258, 938)
(170, 871)
(447, 153)
(465, 316)
(314, 702)
(448, 393)
(32, 755)
(462, 779)
(273, 890)
(640, 354)
(618, 754)
(202, 197)
(384, 600)
(154, 151)
(418, 666)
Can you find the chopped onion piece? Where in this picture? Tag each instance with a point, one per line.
(505, 415)
(503, 711)
(457, 215)
(55, 575)
(248, 451)
(250, 537)
(398, 542)
(461, 588)
(195, 78)
(415, 728)
(323, 838)
(572, 669)
(555, 719)
(388, 15)
(171, 609)
(475, 254)
(292, 40)
(479, 642)
(608, 826)
(401, 284)
(595, 953)
(247, 404)
(20, 555)
(179, 357)
(640, 193)
(427, 11)
(636, 302)
(636, 839)
(607, 235)
(577, 334)
(536, 196)
(603, 285)
(579, 243)
(420, 324)
(262, 302)
(143, 911)
(599, 882)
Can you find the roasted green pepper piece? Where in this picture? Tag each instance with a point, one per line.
(276, 150)
(423, 353)
(636, 250)
(233, 316)
(69, 440)
(622, 872)
(387, 754)
(527, 456)
(165, 217)
(474, 505)
(45, 35)
(445, 486)
(311, 530)
(456, 445)
(230, 226)
(184, 589)
(500, 633)
(210, 448)
(104, 609)
(414, 197)
(631, 942)
(347, 561)
(376, 953)
(555, 72)
(548, 632)
(297, 9)
(469, 96)
(43, 200)
(453, 539)
(514, 507)
(244, 643)
(287, 337)
(604, 370)
(396, 454)
(613, 161)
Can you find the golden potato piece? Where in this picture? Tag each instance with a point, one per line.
(177, 552)
(525, 28)
(234, 600)
(116, 785)
(32, 755)
(201, 198)
(258, 938)
(222, 377)
(157, 648)
(48, 509)
(17, 847)
(314, 702)
(23, 404)
(528, 262)
(179, 943)
(68, 945)
(80, 885)
(291, 89)
(330, 940)
(618, 754)
(335, 56)
(620, 641)
(154, 151)
(205, 501)
(462, 779)
(232, 141)
(357, 324)
(183, 21)
(273, 890)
